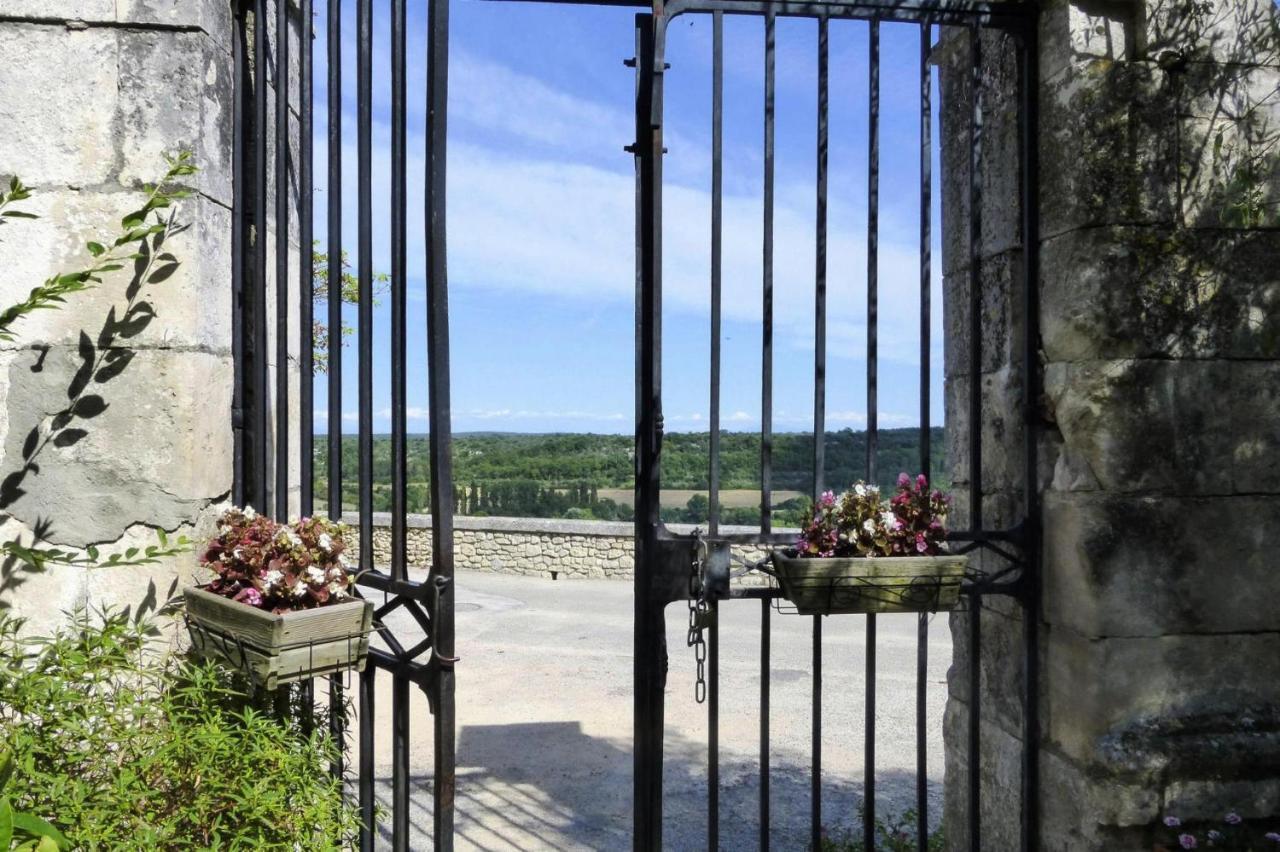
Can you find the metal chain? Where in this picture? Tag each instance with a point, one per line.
(699, 614)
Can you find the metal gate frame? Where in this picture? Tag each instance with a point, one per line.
(263, 454)
(663, 558)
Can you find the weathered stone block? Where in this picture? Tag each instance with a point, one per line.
(999, 773)
(1205, 705)
(1000, 328)
(1137, 292)
(1000, 658)
(1002, 434)
(194, 114)
(1146, 566)
(1174, 426)
(212, 16)
(69, 139)
(94, 11)
(86, 478)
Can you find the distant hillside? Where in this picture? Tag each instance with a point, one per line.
(561, 474)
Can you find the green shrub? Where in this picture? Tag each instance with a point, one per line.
(123, 747)
(893, 835)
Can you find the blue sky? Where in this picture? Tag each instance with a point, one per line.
(541, 221)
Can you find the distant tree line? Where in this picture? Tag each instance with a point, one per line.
(560, 475)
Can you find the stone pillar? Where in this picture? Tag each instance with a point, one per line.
(93, 93)
(1160, 488)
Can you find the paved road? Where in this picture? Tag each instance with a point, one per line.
(544, 720)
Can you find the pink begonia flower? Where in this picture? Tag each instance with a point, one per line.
(1187, 841)
(904, 481)
(828, 499)
(250, 596)
(1233, 818)
(1172, 821)
(922, 482)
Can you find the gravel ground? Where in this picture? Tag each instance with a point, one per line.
(544, 721)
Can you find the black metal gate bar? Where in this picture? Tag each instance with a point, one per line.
(262, 413)
(399, 258)
(306, 269)
(239, 294)
(282, 261)
(873, 404)
(926, 461)
(765, 627)
(766, 400)
(364, 272)
(713, 524)
(333, 348)
(440, 583)
(368, 714)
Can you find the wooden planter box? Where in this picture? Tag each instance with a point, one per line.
(273, 649)
(819, 586)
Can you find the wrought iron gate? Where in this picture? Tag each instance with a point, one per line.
(264, 416)
(664, 558)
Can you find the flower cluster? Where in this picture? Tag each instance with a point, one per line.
(1231, 834)
(277, 567)
(860, 523)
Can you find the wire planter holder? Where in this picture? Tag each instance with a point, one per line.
(271, 649)
(841, 585)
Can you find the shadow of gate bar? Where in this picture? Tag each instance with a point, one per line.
(263, 455)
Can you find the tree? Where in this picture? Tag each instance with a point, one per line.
(348, 291)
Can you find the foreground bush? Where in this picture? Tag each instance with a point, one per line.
(123, 748)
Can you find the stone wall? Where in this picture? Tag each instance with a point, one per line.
(536, 547)
(93, 93)
(1160, 459)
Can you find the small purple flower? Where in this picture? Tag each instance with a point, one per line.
(1272, 836)
(1214, 835)
(904, 481)
(1187, 841)
(1172, 821)
(1233, 818)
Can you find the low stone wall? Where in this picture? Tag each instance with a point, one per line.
(538, 547)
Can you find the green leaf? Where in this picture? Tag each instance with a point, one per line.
(133, 220)
(6, 824)
(6, 770)
(96, 249)
(37, 827)
(19, 214)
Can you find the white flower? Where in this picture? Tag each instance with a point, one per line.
(890, 520)
(223, 529)
(271, 578)
(314, 574)
(299, 590)
(249, 514)
(860, 490)
(337, 590)
(869, 525)
(238, 553)
(326, 543)
(342, 559)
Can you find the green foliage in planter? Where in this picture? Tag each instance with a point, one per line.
(22, 832)
(124, 747)
(894, 835)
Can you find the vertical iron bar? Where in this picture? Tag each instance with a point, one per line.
(819, 403)
(239, 312)
(975, 681)
(650, 625)
(333, 351)
(368, 714)
(926, 290)
(1030, 118)
(765, 667)
(439, 405)
(261, 370)
(306, 271)
(873, 370)
(398, 271)
(282, 262)
(766, 341)
(364, 248)
(717, 180)
(400, 763)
